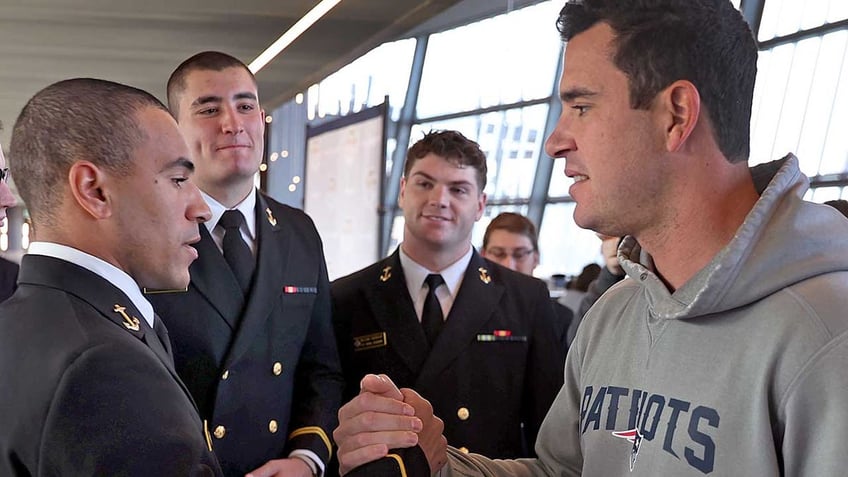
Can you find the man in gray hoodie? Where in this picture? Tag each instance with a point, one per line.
(725, 354)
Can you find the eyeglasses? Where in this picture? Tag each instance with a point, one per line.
(4, 175)
(518, 254)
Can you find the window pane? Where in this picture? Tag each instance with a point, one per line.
(783, 17)
(500, 60)
(824, 194)
(396, 234)
(799, 104)
(772, 71)
(559, 182)
(512, 141)
(835, 150)
(838, 11)
(366, 81)
(564, 247)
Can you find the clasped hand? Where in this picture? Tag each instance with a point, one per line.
(383, 417)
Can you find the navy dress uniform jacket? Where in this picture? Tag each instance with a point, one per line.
(497, 363)
(82, 393)
(264, 370)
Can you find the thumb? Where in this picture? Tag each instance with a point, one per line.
(380, 385)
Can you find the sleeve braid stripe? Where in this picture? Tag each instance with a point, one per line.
(313, 430)
(399, 461)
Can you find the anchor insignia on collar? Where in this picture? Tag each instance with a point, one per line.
(129, 323)
(271, 219)
(387, 273)
(484, 275)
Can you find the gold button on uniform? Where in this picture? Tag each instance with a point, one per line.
(226, 374)
(464, 450)
(219, 432)
(278, 368)
(462, 413)
(272, 426)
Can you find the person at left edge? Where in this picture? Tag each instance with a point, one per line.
(89, 387)
(8, 269)
(261, 361)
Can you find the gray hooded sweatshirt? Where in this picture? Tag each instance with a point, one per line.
(742, 371)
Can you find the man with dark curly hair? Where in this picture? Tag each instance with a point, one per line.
(477, 332)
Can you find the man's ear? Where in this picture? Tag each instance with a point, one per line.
(402, 191)
(481, 206)
(86, 182)
(680, 110)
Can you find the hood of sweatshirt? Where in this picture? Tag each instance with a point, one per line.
(782, 241)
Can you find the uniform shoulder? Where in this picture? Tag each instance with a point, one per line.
(369, 274)
(278, 209)
(64, 330)
(512, 278)
(44, 314)
(292, 218)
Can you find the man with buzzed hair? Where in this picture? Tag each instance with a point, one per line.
(89, 385)
(252, 333)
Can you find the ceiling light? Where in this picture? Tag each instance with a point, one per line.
(291, 35)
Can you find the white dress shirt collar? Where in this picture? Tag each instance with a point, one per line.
(415, 274)
(247, 208)
(107, 271)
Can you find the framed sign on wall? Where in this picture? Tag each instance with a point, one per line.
(344, 186)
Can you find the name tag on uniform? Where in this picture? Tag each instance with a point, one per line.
(291, 289)
(500, 335)
(365, 342)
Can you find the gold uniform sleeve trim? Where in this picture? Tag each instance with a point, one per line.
(399, 461)
(314, 430)
(206, 434)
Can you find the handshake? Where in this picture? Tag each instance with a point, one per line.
(383, 417)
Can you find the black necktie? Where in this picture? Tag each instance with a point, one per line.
(431, 316)
(236, 251)
(162, 333)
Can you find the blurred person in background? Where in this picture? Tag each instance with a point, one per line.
(576, 288)
(610, 274)
(839, 204)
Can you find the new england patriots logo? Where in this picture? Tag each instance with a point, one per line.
(634, 437)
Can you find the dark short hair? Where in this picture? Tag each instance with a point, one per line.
(839, 204)
(658, 42)
(589, 273)
(203, 61)
(453, 147)
(515, 223)
(69, 121)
